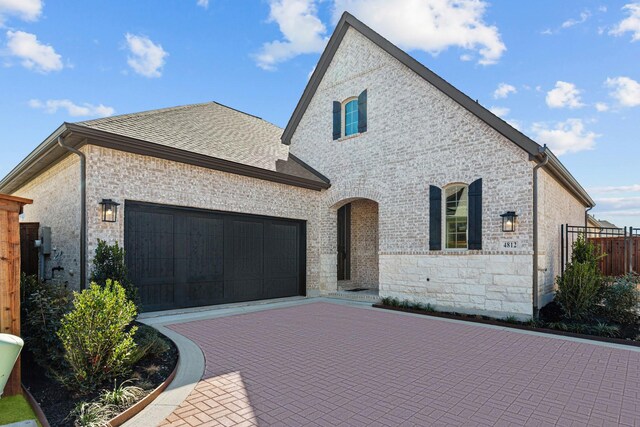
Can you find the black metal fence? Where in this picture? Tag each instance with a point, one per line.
(621, 247)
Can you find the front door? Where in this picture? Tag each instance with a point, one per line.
(344, 242)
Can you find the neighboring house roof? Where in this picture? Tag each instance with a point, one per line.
(347, 20)
(209, 135)
(606, 224)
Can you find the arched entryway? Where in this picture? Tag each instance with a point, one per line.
(357, 246)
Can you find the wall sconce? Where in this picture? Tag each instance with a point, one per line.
(109, 210)
(509, 221)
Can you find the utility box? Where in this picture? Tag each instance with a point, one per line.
(45, 241)
(10, 347)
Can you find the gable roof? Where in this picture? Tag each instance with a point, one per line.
(209, 135)
(347, 20)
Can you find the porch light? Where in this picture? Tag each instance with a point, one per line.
(509, 221)
(109, 210)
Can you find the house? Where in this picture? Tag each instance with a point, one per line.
(386, 178)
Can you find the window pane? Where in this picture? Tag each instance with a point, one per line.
(456, 214)
(351, 118)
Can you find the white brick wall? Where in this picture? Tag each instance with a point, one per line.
(56, 204)
(417, 136)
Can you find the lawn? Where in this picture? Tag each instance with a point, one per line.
(14, 409)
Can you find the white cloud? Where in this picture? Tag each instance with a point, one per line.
(618, 203)
(601, 107)
(466, 57)
(27, 10)
(146, 58)
(302, 32)
(33, 54)
(630, 24)
(203, 3)
(504, 90)
(500, 111)
(633, 188)
(564, 95)
(569, 136)
(515, 124)
(51, 106)
(573, 21)
(625, 90)
(430, 25)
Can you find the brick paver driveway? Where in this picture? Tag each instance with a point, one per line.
(331, 364)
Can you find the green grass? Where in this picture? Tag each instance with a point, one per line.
(14, 409)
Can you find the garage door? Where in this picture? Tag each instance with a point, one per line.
(180, 257)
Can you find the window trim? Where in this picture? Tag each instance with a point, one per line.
(343, 118)
(445, 235)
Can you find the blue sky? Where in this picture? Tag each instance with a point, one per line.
(566, 73)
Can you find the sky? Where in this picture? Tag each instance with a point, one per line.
(565, 73)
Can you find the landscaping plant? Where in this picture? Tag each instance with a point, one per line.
(579, 287)
(42, 306)
(621, 300)
(97, 336)
(109, 264)
(122, 396)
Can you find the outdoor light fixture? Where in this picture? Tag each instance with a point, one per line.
(109, 210)
(509, 221)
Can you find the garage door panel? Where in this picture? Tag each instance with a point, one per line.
(181, 257)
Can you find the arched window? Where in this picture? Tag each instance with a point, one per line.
(351, 117)
(456, 212)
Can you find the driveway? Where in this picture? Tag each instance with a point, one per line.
(330, 364)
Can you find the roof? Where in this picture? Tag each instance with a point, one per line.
(211, 129)
(347, 21)
(209, 135)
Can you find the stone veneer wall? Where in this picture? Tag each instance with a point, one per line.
(556, 207)
(125, 176)
(417, 136)
(56, 204)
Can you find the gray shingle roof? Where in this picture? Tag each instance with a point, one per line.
(210, 129)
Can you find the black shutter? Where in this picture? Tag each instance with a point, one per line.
(435, 218)
(337, 126)
(475, 215)
(362, 111)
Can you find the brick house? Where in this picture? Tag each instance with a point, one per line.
(386, 179)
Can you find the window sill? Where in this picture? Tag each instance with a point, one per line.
(345, 138)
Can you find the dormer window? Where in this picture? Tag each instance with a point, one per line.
(350, 116)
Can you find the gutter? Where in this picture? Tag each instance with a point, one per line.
(586, 216)
(545, 160)
(83, 211)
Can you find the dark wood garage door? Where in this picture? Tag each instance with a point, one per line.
(180, 257)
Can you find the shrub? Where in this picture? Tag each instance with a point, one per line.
(109, 264)
(585, 252)
(604, 330)
(578, 291)
(98, 343)
(93, 414)
(122, 396)
(149, 343)
(42, 306)
(621, 300)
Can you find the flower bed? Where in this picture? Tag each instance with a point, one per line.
(59, 404)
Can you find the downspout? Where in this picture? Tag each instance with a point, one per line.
(586, 217)
(83, 211)
(545, 156)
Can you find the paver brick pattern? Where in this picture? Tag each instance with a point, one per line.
(325, 364)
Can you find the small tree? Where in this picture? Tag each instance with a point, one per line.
(97, 337)
(108, 264)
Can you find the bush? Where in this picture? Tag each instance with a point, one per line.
(149, 343)
(579, 290)
(585, 252)
(97, 337)
(122, 396)
(621, 300)
(109, 264)
(42, 306)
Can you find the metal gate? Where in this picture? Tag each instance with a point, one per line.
(620, 245)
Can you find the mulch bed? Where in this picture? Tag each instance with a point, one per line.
(491, 321)
(58, 402)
